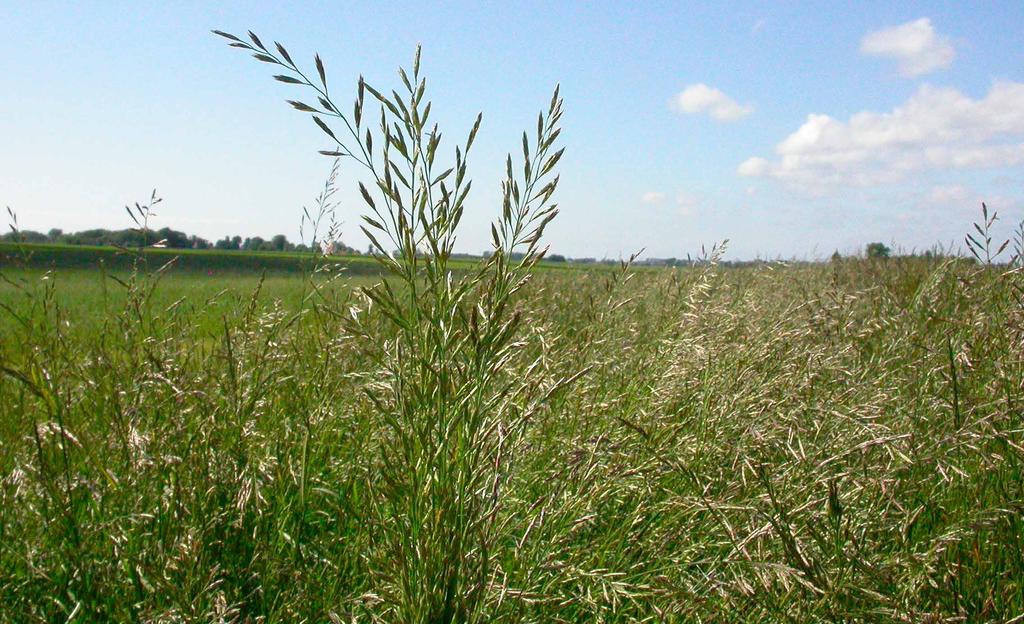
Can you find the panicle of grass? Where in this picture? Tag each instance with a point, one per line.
(447, 405)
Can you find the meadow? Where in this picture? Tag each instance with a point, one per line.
(452, 441)
(783, 443)
(96, 258)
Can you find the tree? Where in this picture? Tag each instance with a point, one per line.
(253, 244)
(55, 235)
(24, 236)
(279, 242)
(173, 238)
(878, 250)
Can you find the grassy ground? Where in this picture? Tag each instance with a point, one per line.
(48, 256)
(817, 443)
(89, 299)
(57, 256)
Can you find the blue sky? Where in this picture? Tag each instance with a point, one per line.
(790, 129)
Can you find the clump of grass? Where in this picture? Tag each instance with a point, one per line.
(981, 245)
(449, 410)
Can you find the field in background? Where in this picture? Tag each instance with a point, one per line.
(46, 256)
(89, 298)
(805, 443)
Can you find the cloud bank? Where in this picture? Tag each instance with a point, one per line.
(916, 47)
(936, 129)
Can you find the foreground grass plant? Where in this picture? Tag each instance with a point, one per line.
(449, 410)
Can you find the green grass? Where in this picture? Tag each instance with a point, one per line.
(193, 260)
(760, 444)
(88, 298)
(58, 256)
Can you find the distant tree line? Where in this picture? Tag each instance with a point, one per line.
(173, 239)
(165, 237)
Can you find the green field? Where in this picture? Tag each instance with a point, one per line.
(836, 442)
(87, 299)
(54, 256)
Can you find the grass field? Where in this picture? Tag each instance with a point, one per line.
(56, 256)
(88, 298)
(810, 443)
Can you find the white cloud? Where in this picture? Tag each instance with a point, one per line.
(915, 45)
(700, 98)
(687, 203)
(948, 194)
(652, 197)
(754, 167)
(937, 128)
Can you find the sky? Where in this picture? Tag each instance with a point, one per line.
(791, 129)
